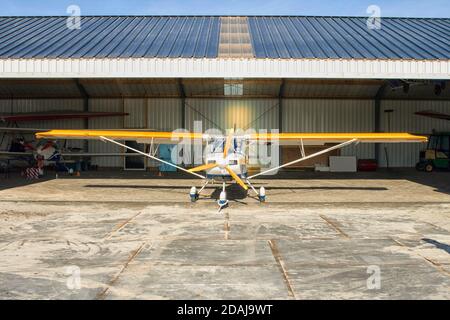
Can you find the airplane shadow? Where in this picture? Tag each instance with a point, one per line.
(233, 188)
(135, 186)
(436, 180)
(329, 188)
(234, 192)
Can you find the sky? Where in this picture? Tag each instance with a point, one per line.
(389, 8)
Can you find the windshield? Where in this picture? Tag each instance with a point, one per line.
(433, 142)
(217, 145)
(439, 143)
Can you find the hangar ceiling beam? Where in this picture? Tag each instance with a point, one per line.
(85, 96)
(183, 103)
(280, 114)
(377, 116)
(280, 105)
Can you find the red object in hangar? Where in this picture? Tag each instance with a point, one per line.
(367, 165)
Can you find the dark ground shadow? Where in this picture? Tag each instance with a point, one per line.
(439, 181)
(15, 180)
(438, 245)
(329, 188)
(120, 186)
(234, 193)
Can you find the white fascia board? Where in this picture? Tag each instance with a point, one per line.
(225, 68)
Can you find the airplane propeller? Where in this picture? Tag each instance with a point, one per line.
(203, 167)
(236, 178)
(225, 166)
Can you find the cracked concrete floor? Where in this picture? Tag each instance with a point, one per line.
(114, 248)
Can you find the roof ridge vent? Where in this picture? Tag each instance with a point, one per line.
(235, 38)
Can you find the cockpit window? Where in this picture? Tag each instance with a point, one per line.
(218, 144)
(215, 145)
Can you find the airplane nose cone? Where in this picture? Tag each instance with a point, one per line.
(222, 163)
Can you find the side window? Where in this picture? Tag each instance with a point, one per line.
(433, 142)
(445, 143)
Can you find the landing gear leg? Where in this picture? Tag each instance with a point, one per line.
(261, 194)
(194, 194)
(222, 202)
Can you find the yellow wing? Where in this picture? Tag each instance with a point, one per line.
(323, 138)
(283, 138)
(139, 136)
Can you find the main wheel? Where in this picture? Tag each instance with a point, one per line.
(262, 194)
(429, 167)
(193, 194)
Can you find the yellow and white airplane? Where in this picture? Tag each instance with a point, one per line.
(226, 156)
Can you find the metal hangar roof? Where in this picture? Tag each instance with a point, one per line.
(224, 47)
(279, 37)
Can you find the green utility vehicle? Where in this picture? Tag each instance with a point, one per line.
(437, 154)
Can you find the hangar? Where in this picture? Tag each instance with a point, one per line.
(291, 73)
(115, 234)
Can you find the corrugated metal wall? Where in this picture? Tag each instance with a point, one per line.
(8, 106)
(157, 114)
(404, 119)
(224, 114)
(103, 105)
(164, 114)
(43, 105)
(221, 114)
(136, 109)
(328, 115)
(314, 115)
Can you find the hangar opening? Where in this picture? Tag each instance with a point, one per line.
(293, 74)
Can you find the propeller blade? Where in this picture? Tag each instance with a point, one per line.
(228, 143)
(203, 167)
(236, 178)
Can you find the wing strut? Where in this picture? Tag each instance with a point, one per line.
(341, 145)
(302, 148)
(151, 157)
